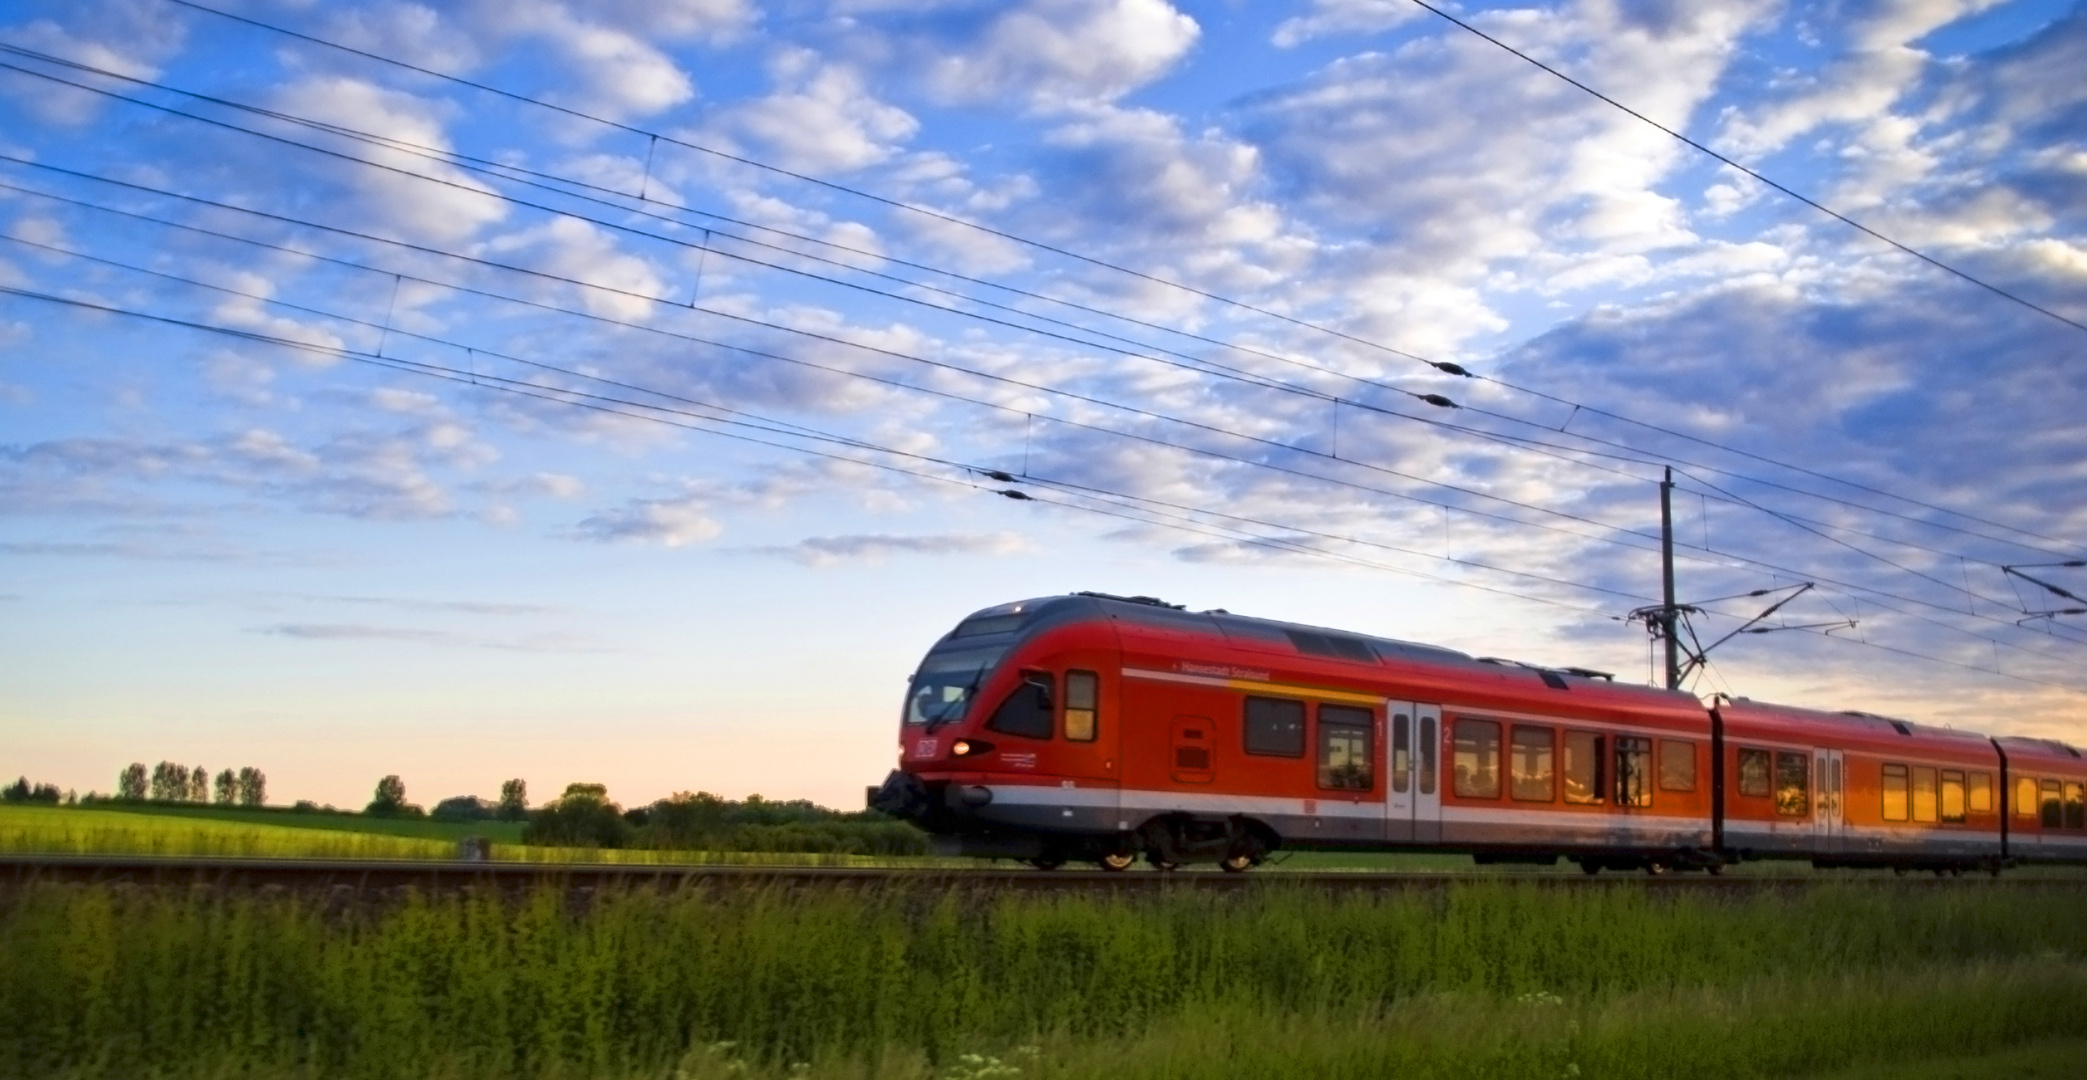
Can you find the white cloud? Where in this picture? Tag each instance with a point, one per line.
(571, 248)
(1330, 17)
(877, 547)
(1059, 53)
(1862, 86)
(385, 201)
(820, 119)
(615, 72)
(672, 522)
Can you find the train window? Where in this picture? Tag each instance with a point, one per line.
(1477, 760)
(1027, 710)
(1923, 793)
(987, 624)
(1633, 771)
(1401, 752)
(2025, 797)
(1952, 795)
(1753, 773)
(1344, 748)
(2053, 811)
(1981, 786)
(1793, 797)
(1897, 802)
(1274, 726)
(1531, 777)
(1082, 705)
(2075, 805)
(1427, 744)
(1677, 765)
(942, 688)
(1582, 767)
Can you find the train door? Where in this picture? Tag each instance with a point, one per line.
(1399, 793)
(1828, 772)
(1427, 771)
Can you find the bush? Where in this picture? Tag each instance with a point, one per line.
(462, 808)
(582, 817)
(702, 821)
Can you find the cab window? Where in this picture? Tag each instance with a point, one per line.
(1026, 711)
(1344, 748)
(1082, 705)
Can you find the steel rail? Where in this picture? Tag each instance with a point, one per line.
(363, 875)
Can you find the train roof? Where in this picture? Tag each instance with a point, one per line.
(1849, 726)
(2022, 748)
(1316, 642)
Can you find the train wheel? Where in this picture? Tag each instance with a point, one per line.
(1590, 867)
(1115, 861)
(1238, 864)
(1656, 867)
(1048, 862)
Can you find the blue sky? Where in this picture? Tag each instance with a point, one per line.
(1182, 269)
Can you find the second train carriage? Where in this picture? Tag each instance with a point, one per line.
(1100, 728)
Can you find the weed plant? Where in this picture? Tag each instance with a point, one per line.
(1485, 979)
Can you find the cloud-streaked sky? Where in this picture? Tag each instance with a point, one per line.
(612, 398)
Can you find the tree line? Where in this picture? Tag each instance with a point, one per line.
(585, 817)
(169, 782)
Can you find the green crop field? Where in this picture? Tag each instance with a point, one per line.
(1489, 979)
(155, 830)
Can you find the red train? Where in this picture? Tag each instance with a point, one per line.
(1101, 728)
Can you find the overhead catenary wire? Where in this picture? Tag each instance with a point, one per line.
(902, 205)
(799, 429)
(601, 403)
(766, 423)
(1198, 364)
(651, 413)
(1312, 476)
(1750, 172)
(878, 350)
(509, 172)
(410, 174)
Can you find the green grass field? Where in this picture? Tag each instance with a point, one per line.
(200, 831)
(1490, 979)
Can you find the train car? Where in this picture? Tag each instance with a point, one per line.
(1852, 789)
(1092, 727)
(1101, 728)
(2046, 800)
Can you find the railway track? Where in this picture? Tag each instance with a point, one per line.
(361, 875)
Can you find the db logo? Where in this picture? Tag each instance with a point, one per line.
(925, 748)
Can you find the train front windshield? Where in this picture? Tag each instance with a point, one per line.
(943, 687)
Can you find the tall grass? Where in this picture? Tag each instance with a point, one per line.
(1479, 980)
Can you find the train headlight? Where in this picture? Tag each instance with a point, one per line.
(969, 747)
